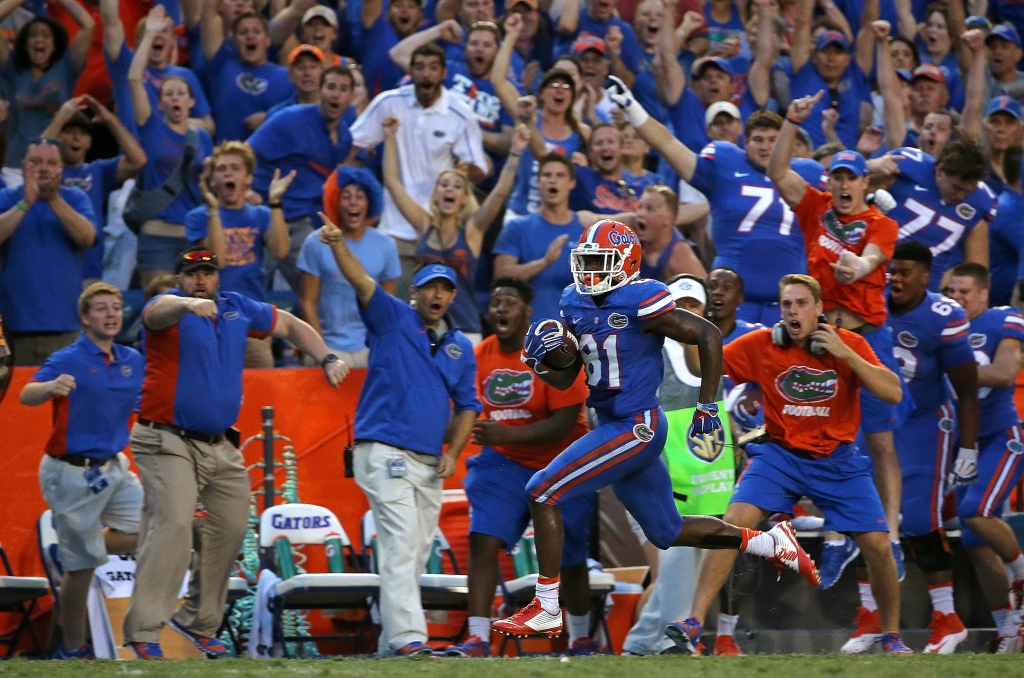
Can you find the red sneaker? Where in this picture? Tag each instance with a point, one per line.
(725, 646)
(947, 632)
(867, 633)
(531, 620)
(789, 554)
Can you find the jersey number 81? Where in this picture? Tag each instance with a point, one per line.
(601, 362)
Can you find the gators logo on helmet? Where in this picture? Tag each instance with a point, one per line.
(803, 385)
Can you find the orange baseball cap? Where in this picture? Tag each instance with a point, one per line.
(305, 49)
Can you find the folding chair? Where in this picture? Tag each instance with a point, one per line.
(288, 524)
(18, 595)
(49, 556)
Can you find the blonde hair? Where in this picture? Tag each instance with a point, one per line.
(94, 290)
(239, 148)
(801, 279)
(471, 206)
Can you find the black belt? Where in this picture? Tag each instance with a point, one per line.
(81, 460)
(183, 433)
(866, 328)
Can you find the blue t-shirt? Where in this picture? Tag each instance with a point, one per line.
(298, 139)
(718, 31)
(624, 366)
(42, 276)
(194, 367)
(927, 341)
(630, 53)
(409, 391)
(645, 89)
(478, 94)
(243, 260)
(609, 197)
(152, 79)
(92, 420)
(1005, 241)
(751, 219)
(340, 323)
(525, 196)
(97, 179)
(239, 90)
(996, 406)
(687, 115)
(164, 149)
(33, 103)
(853, 90)
(380, 72)
(922, 215)
(527, 239)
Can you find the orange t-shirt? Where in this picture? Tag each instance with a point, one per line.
(512, 394)
(811, 402)
(827, 235)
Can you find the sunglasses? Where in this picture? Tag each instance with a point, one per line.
(199, 257)
(559, 85)
(489, 25)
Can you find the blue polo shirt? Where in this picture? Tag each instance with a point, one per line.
(408, 394)
(298, 139)
(239, 90)
(243, 261)
(92, 420)
(97, 179)
(194, 367)
(42, 276)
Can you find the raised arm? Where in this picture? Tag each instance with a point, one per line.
(86, 27)
(348, 264)
(669, 78)
(113, 29)
(410, 209)
(506, 91)
(401, 53)
(835, 19)
(211, 29)
(482, 218)
(613, 41)
(569, 22)
(168, 309)
(155, 22)
(309, 300)
(283, 24)
(864, 47)
(7, 8)
(276, 237)
(893, 119)
(371, 12)
(791, 186)
(688, 328)
(800, 50)
(133, 157)
(682, 160)
(905, 22)
(957, 25)
(974, 89)
(760, 72)
(879, 380)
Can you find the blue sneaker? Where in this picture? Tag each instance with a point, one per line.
(893, 644)
(834, 560)
(84, 652)
(212, 648)
(685, 634)
(472, 647)
(414, 649)
(897, 554)
(583, 647)
(146, 650)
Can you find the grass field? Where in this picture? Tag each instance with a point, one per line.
(874, 666)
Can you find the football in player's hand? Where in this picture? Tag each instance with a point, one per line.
(563, 356)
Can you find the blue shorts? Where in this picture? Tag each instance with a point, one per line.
(158, 253)
(875, 415)
(626, 454)
(500, 506)
(767, 313)
(999, 471)
(841, 485)
(924, 445)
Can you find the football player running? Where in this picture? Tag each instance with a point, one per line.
(620, 323)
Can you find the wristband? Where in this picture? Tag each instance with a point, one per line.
(274, 205)
(794, 120)
(22, 206)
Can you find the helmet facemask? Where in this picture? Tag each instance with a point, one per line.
(598, 270)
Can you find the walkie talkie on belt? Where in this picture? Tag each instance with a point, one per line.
(349, 469)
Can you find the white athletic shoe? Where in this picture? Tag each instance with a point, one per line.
(531, 620)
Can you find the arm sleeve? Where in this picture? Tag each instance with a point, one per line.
(509, 240)
(954, 348)
(49, 370)
(366, 130)
(655, 300)
(705, 174)
(739, 363)
(202, 107)
(883, 233)
(262, 317)
(195, 225)
(464, 393)
(1013, 325)
(309, 261)
(381, 314)
(469, 147)
(392, 264)
(272, 140)
(810, 208)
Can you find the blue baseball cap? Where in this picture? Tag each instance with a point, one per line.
(433, 272)
(1005, 104)
(851, 160)
(1006, 32)
(826, 38)
(700, 67)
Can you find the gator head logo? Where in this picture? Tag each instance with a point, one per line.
(617, 321)
(643, 432)
(801, 384)
(907, 339)
(1015, 447)
(250, 84)
(850, 233)
(706, 446)
(507, 388)
(965, 211)
(977, 340)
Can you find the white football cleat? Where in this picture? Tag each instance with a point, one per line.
(531, 620)
(789, 553)
(868, 632)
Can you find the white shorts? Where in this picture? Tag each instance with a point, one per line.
(79, 514)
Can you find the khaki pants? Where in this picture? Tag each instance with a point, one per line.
(405, 511)
(176, 473)
(407, 257)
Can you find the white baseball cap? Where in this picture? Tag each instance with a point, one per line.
(688, 288)
(325, 13)
(716, 108)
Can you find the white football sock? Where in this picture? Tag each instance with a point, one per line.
(759, 543)
(1017, 566)
(942, 598)
(547, 591)
(867, 599)
(727, 623)
(1004, 621)
(579, 626)
(480, 627)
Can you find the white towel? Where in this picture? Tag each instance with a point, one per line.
(261, 633)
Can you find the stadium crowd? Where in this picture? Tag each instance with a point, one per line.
(774, 164)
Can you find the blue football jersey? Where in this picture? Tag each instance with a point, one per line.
(753, 229)
(624, 366)
(927, 341)
(988, 330)
(923, 216)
